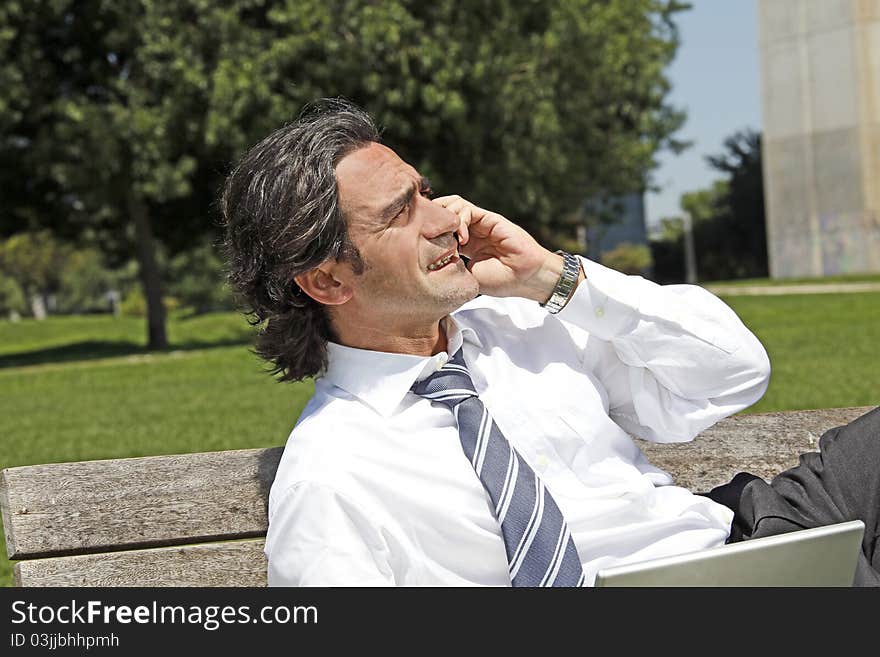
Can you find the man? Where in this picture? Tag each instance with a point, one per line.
(476, 393)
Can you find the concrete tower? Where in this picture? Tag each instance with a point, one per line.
(820, 70)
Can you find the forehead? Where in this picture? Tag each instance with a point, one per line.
(370, 177)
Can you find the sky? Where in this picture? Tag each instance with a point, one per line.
(716, 79)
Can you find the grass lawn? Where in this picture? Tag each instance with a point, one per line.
(81, 388)
(776, 282)
(823, 348)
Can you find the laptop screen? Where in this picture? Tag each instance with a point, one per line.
(823, 556)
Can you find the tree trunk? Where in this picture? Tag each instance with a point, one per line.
(38, 306)
(148, 271)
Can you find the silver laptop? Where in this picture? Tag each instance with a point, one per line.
(824, 556)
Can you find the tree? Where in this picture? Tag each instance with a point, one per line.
(85, 283)
(729, 228)
(122, 117)
(51, 274)
(113, 126)
(35, 262)
(741, 162)
(667, 252)
(727, 218)
(525, 107)
(195, 279)
(12, 302)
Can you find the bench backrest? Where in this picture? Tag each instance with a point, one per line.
(200, 519)
(110, 523)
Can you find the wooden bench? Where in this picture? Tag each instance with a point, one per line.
(200, 519)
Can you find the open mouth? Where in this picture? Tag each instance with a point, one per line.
(442, 262)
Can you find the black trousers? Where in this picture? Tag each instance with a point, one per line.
(838, 483)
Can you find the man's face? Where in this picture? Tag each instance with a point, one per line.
(413, 271)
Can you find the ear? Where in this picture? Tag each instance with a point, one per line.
(324, 284)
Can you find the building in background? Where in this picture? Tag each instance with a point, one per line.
(820, 70)
(612, 222)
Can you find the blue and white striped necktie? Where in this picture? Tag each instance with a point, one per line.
(540, 550)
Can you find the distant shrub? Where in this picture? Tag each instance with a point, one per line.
(197, 278)
(135, 305)
(628, 258)
(40, 271)
(12, 300)
(84, 283)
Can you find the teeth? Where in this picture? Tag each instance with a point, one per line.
(440, 263)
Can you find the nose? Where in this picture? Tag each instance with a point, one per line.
(438, 220)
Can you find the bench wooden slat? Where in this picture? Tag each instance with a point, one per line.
(241, 563)
(764, 444)
(112, 505)
(98, 506)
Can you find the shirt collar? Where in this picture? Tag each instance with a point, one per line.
(381, 379)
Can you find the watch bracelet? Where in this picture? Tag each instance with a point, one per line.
(566, 283)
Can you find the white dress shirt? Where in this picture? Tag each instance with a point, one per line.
(373, 487)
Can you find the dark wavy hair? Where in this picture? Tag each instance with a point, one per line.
(280, 209)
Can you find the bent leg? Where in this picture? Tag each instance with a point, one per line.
(838, 483)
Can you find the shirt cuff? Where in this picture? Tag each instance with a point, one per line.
(606, 303)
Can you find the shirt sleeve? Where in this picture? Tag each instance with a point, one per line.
(674, 359)
(318, 537)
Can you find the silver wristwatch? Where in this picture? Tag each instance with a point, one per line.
(571, 269)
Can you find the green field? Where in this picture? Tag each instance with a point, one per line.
(78, 388)
(823, 348)
(81, 388)
(777, 282)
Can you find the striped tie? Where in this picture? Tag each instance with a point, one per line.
(540, 551)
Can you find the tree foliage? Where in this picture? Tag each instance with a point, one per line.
(628, 258)
(119, 118)
(526, 107)
(196, 280)
(728, 219)
(34, 261)
(35, 267)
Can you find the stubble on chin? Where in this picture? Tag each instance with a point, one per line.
(461, 292)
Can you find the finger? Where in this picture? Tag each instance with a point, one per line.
(464, 221)
(444, 201)
(455, 206)
(477, 249)
(482, 222)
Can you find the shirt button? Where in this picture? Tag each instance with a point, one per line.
(542, 462)
(600, 312)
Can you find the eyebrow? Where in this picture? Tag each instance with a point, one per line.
(390, 211)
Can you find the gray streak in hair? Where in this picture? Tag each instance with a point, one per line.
(280, 209)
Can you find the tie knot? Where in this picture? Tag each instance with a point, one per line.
(449, 385)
